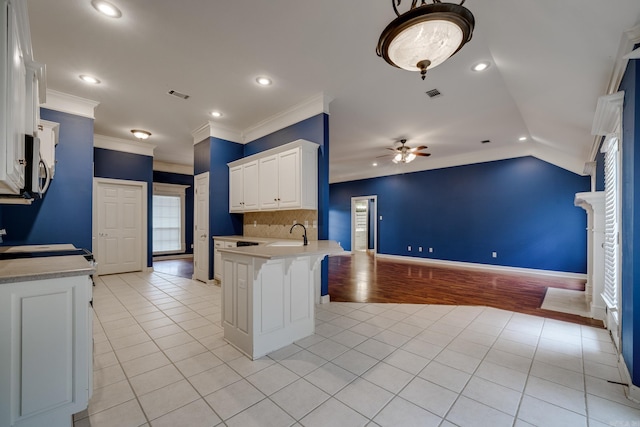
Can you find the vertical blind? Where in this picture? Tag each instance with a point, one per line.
(611, 224)
(167, 224)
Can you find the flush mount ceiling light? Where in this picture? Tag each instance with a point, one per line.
(106, 8)
(426, 35)
(264, 81)
(140, 134)
(522, 138)
(216, 114)
(89, 79)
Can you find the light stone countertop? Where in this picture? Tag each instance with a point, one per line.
(27, 269)
(315, 247)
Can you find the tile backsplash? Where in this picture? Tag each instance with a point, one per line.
(276, 224)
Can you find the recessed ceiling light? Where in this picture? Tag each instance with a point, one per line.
(522, 138)
(106, 8)
(140, 134)
(480, 66)
(375, 164)
(264, 81)
(216, 114)
(89, 79)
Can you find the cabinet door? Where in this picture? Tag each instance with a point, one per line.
(236, 196)
(14, 105)
(217, 259)
(269, 182)
(250, 189)
(289, 179)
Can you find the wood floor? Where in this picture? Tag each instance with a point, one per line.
(365, 278)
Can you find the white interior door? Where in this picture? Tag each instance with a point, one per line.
(201, 228)
(120, 223)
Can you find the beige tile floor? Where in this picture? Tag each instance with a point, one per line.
(160, 360)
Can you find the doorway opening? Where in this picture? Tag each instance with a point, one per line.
(364, 226)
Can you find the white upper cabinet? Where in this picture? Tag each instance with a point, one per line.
(243, 187)
(21, 86)
(48, 132)
(284, 177)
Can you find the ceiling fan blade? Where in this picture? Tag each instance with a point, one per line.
(422, 147)
(422, 154)
(386, 155)
(393, 149)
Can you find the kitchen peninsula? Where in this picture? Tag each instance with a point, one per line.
(269, 293)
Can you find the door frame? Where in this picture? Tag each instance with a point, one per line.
(374, 250)
(209, 241)
(144, 220)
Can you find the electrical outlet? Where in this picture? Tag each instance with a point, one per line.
(409, 248)
(419, 248)
(255, 223)
(315, 224)
(295, 222)
(494, 254)
(306, 223)
(430, 250)
(380, 217)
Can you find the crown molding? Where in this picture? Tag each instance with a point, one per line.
(607, 118)
(123, 145)
(212, 129)
(313, 106)
(628, 40)
(172, 168)
(71, 104)
(533, 149)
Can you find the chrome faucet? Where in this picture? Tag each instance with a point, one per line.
(304, 238)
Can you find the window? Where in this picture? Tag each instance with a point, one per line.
(168, 218)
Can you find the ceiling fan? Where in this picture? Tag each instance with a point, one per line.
(406, 154)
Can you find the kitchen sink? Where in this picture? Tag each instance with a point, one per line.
(285, 243)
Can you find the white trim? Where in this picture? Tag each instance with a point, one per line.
(171, 257)
(123, 145)
(608, 114)
(298, 143)
(145, 213)
(70, 104)
(628, 40)
(374, 225)
(170, 189)
(313, 106)
(634, 54)
(211, 129)
(172, 168)
(534, 149)
(632, 392)
(325, 299)
(477, 266)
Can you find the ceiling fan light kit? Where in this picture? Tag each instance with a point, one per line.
(426, 35)
(405, 154)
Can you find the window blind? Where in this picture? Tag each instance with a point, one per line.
(611, 227)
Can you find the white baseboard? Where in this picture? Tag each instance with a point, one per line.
(325, 299)
(632, 391)
(490, 267)
(148, 270)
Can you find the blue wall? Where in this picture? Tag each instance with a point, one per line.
(182, 179)
(630, 218)
(64, 214)
(133, 167)
(314, 129)
(212, 155)
(520, 208)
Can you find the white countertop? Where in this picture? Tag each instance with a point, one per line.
(26, 269)
(315, 247)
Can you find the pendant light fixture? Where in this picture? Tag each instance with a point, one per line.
(426, 35)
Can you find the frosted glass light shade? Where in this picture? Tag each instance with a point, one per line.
(430, 40)
(425, 36)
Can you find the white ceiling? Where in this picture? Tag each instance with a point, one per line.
(551, 60)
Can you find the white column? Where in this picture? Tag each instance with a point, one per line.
(593, 204)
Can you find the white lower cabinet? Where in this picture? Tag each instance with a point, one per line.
(268, 304)
(217, 256)
(45, 351)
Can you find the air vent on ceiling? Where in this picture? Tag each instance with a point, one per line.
(178, 94)
(433, 93)
(485, 141)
